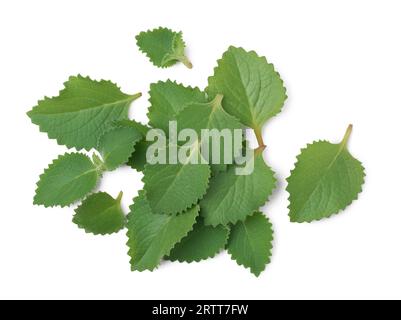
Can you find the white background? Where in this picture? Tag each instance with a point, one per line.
(341, 64)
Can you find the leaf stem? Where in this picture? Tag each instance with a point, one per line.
(259, 138)
(216, 102)
(119, 197)
(347, 135)
(136, 96)
(184, 59)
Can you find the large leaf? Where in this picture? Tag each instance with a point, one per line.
(68, 179)
(250, 242)
(253, 91)
(84, 110)
(100, 214)
(151, 236)
(163, 47)
(231, 197)
(201, 243)
(167, 99)
(326, 179)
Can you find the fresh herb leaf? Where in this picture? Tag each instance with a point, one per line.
(326, 179)
(68, 179)
(231, 197)
(163, 47)
(253, 91)
(100, 214)
(201, 243)
(250, 242)
(84, 110)
(151, 236)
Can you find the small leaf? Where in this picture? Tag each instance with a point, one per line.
(68, 179)
(326, 179)
(231, 197)
(250, 243)
(163, 47)
(253, 91)
(173, 188)
(152, 236)
(201, 243)
(84, 110)
(100, 214)
(117, 145)
(167, 99)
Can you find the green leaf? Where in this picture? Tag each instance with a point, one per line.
(200, 116)
(250, 243)
(137, 160)
(117, 145)
(167, 99)
(326, 179)
(201, 243)
(163, 47)
(100, 214)
(173, 188)
(231, 197)
(253, 91)
(84, 110)
(151, 236)
(68, 179)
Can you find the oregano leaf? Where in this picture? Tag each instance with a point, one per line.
(163, 47)
(250, 242)
(326, 179)
(100, 214)
(253, 91)
(173, 188)
(231, 197)
(83, 111)
(151, 236)
(67, 179)
(167, 99)
(201, 243)
(211, 116)
(117, 145)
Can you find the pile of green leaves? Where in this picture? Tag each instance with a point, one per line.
(185, 212)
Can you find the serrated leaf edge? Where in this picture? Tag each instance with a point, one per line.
(270, 253)
(98, 173)
(207, 184)
(208, 257)
(174, 82)
(253, 212)
(165, 64)
(161, 260)
(339, 210)
(252, 52)
(60, 140)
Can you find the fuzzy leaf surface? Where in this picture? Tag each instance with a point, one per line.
(253, 91)
(173, 188)
(326, 179)
(250, 242)
(83, 111)
(231, 197)
(163, 47)
(117, 145)
(67, 179)
(100, 214)
(167, 99)
(151, 236)
(201, 243)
